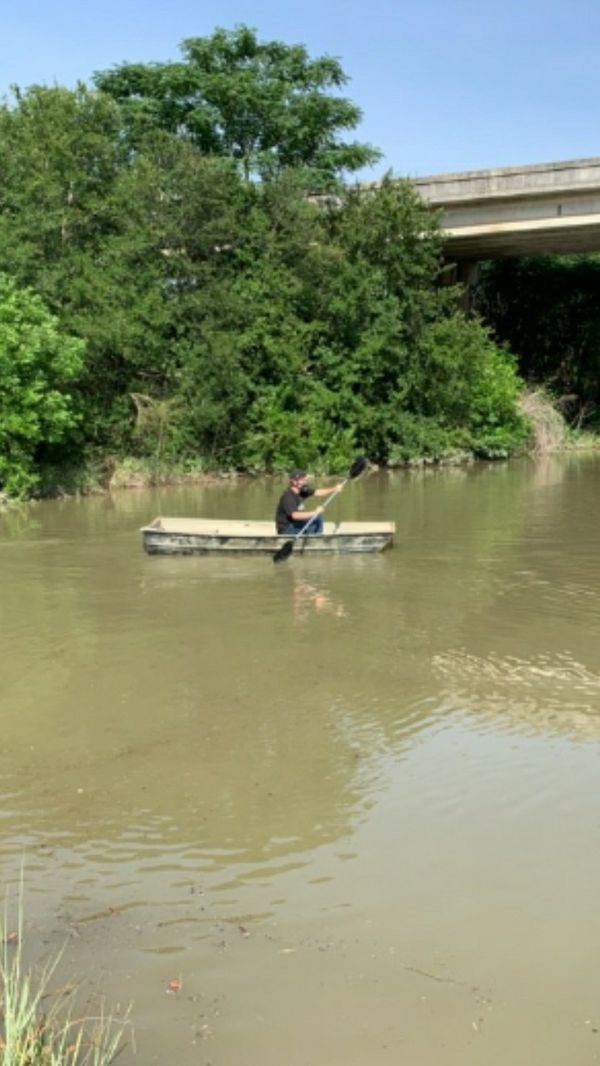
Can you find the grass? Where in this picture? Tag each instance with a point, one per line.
(549, 429)
(38, 1026)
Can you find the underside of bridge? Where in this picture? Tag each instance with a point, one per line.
(497, 241)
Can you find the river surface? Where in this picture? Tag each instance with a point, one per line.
(351, 807)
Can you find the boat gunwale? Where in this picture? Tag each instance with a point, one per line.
(242, 530)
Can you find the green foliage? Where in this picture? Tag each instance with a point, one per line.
(379, 358)
(237, 324)
(36, 363)
(265, 104)
(548, 310)
(60, 154)
(470, 383)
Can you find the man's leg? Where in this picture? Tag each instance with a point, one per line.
(316, 525)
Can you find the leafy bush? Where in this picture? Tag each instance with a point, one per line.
(472, 384)
(36, 363)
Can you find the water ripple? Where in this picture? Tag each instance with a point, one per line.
(545, 693)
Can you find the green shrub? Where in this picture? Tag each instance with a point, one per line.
(36, 363)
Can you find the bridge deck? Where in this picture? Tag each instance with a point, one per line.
(539, 209)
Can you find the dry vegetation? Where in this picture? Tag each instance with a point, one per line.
(548, 426)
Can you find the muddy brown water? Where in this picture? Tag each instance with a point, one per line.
(351, 805)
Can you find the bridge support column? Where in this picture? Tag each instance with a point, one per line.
(467, 274)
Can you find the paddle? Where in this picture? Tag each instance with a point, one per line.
(286, 549)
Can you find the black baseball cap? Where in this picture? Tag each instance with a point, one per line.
(297, 473)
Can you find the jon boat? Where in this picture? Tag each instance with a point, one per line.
(207, 536)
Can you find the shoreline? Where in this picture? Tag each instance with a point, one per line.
(130, 474)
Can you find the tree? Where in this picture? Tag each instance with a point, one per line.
(118, 244)
(36, 364)
(142, 300)
(60, 153)
(237, 322)
(266, 104)
(356, 346)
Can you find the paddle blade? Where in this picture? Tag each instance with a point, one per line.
(284, 552)
(358, 466)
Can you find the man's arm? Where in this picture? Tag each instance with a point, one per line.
(304, 516)
(330, 491)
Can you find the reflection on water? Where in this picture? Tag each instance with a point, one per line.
(309, 598)
(546, 693)
(343, 776)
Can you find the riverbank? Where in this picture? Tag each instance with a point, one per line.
(549, 434)
(135, 474)
(132, 473)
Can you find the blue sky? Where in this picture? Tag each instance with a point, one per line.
(443, 84)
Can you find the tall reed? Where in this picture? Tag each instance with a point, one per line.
(38, 1025)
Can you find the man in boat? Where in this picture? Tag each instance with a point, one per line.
(290, 517)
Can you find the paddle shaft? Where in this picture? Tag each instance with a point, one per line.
(336, 492)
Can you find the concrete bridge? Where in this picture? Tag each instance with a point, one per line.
(548, 208)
